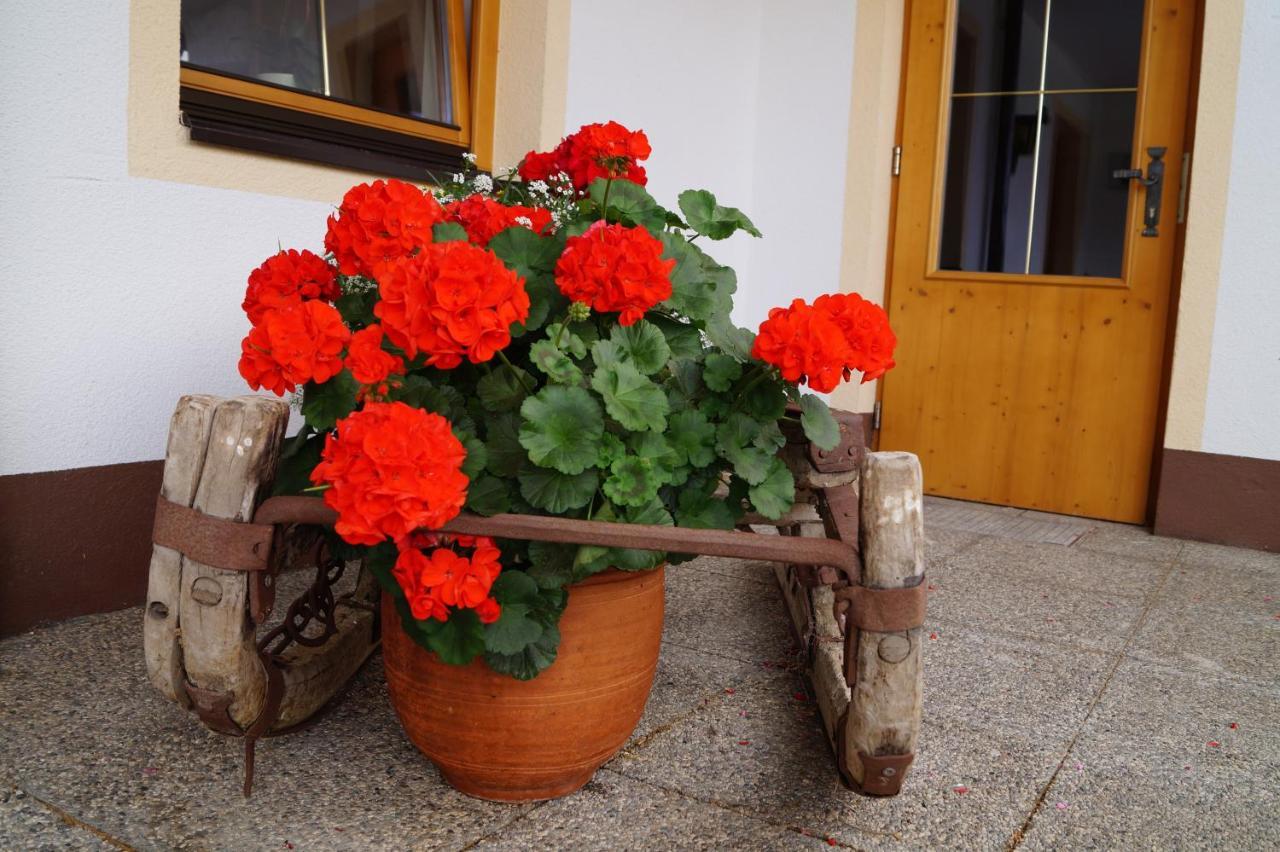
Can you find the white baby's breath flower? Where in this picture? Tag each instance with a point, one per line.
(525, 221)
(457, 177)
(539, 186)
(482, 183)
(469, 157)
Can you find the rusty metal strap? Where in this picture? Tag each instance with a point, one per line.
(217, 542)
(884, 610)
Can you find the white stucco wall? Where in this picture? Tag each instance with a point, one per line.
(746, 98)
(1242, 411)
(120, 293)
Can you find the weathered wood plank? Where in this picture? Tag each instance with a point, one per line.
(885, 705)
(218, 635)
(183, 462)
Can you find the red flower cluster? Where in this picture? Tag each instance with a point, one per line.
(866, 328)
(483, 217)
(615, 268)
(432, 584)
(288, 277)
(392, 469)
(822, 344)
(368, 362)
(378, 222)
(292, 345)
(595, 151)
(449, 301)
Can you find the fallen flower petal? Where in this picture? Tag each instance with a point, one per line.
(960, 789)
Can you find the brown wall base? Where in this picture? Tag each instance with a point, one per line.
(74, 542)
(1222, 499)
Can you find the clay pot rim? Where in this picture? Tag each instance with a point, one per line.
(612, 575)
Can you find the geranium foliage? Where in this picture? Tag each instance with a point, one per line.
(553, 342)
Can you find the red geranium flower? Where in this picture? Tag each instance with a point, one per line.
(298, 343)
(450, 301)
(866, 328)
(378, 222)
(483, 218)
(595, 151)
(392, 469)
(368, 362)
(446, 579)
(288, 277)
(821, 344)
(615, 268)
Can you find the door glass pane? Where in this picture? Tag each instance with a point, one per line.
(998, 45)
(1080, 208)
(384, 54)
(1042, 110)
(1094, 44)
(985, 214)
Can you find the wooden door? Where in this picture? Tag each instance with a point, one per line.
(1029, 298)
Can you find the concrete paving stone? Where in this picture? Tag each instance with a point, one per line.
(1158, 766)
(1057, 565)
(27, 825)
(616, 812)
(85, 731)
(993, 680)
(686, 680)
(1215, 621)
(755, 572)
(1258, 561)
(761, 751)
(974, 590)
(726, 615)
(1129, 540)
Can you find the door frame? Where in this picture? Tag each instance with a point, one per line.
(1175, 285)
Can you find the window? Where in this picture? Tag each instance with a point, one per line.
(399, 87)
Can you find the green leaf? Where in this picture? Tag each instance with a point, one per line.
(555, 364)
(558, 492)
(684, 340)
(551, 563)
(574, 339)
(448, 232)
(503, 389)
(513, 630)
(535, 658)
(735, 341)
(655, 448)
(611, 449)
(692, 437)
(477, 456)
(325, 404)
(643, 346)
(606, 353)
(544, 297)
(701, 289)
(629, 203)
(653, 513)
(766, 400)
(630, 398)
(457, 641)
(632, 481)
(703, 511)
(514, 587)
(525, 252)
(774, 496)
(487, 495)
(820, 427)
(506, 456)
(710, 219)
(299, 457)
(356, 307)
(736, 443)
(561, 427)
(721, 371)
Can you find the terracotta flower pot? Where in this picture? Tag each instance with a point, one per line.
(499, 738)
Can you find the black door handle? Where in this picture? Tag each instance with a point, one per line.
(1154, 182)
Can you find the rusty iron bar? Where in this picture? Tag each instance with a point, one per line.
(743, 545)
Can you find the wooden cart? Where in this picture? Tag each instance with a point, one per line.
(850, 564)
